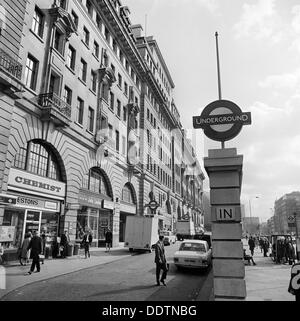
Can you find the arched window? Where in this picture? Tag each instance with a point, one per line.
(97, 182)
(38, 159)
(127, 194)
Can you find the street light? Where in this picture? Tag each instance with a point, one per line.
(250, 209)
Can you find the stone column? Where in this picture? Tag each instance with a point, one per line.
(224, 168)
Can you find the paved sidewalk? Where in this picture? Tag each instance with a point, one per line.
(16, 278)
(267, 281)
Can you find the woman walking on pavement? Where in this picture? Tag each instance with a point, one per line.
(24, 253)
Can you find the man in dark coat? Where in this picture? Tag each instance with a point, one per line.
(64, 241)
(251, 244)
(160, 260)
(108, 239)
(35, 245)
(86, 242)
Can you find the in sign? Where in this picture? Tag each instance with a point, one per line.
(225, 213)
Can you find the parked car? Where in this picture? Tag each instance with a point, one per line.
(193, 254)
(169, 238)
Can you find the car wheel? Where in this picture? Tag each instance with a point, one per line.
(130, 249)
(178, 267)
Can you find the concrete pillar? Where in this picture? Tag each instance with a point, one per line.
(224, 168)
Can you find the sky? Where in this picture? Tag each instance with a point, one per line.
(259, 50)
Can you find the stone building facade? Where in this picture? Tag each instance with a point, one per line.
(88, 124)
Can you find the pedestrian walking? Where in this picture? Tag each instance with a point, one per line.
(160, 260)
(108, 240)
(251, 244)
(35, 245)
(86, 242)
(24, 253)
(261, 244)
(266, 245)
(64, 241)
(290, 252)
(248, 258)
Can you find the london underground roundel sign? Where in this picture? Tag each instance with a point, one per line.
(222, 120)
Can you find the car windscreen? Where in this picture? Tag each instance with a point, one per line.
(192, 247)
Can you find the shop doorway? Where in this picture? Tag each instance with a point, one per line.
(32, 221)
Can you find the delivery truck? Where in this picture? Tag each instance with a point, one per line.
(185, 229)
(141, 232)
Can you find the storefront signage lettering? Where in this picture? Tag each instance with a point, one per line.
(38, 184)
(36, 203)
(20, 180)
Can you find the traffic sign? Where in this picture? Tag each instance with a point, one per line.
(222, 120)
(291, 221)
(8, 199)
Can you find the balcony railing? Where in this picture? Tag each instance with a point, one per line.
(55, 109)
(10, 65)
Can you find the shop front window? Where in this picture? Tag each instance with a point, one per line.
(15, 219)
(87, 219)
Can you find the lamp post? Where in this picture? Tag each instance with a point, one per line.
(250, 210)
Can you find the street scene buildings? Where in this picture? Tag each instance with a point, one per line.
(89, 125)
(92, 141)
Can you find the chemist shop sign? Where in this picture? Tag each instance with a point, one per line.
(22, 181)
(222, 120)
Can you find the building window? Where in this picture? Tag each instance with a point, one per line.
(75, 18)
(96, 49)
(80, 108)
(38, 22)
(86, 36)
(93, 81)
(114, 45)
(125, 89)
(31, 72)
(127, 195)
(110, 130)
(118, 108)
(71, 56)
(120, 81)
(117, 141)
(59, 41)
(83, 70)
(38, 159)
(89, 7)
(112, 100)
(97, 182)
(91, 116)
(67, 95)
(106, 34)
(98, 21)
(124, 114)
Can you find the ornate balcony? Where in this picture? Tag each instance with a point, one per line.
(55, 109)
